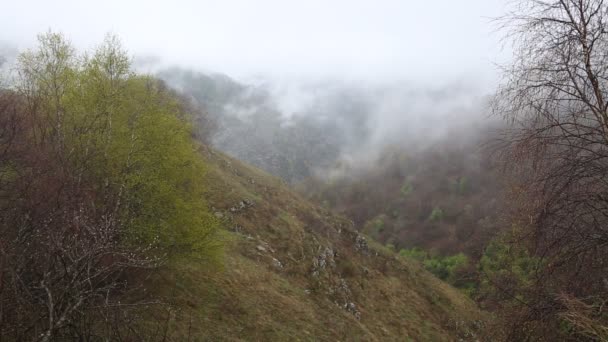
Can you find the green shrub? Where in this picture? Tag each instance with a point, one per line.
(446, 268)
(375, 226)
(414, 253)
(406, 188)
(459, 185)
(509, 265)
(436, 214)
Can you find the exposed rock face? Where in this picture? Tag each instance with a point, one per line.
(242, 205)
(361, 244)
(325, 259)
(352, 308)
(277, 264)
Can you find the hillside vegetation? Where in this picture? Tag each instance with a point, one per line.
(188, 206)
(118, 223)
(445, 197)
(100, 179)
(294, 271)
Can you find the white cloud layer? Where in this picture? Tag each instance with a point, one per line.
(423, 41)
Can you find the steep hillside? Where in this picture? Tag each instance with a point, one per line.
(294, 271)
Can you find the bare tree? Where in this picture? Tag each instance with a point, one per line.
(555, 92)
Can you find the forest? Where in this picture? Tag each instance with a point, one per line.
(142, 200)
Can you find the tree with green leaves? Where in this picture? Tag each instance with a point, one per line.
(104, 177)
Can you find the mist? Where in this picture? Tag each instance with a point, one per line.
(298, 129)
(312, 83)
(359, 40)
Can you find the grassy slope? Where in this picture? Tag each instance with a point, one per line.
(294, 271)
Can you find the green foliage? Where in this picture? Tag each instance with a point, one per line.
(436, 214)
(446, 268)
(414, 253)
(130, 135)
(508, 266)
(462, 185)
(376, 226)
(459, 186)
(164, 173)
(406, 188)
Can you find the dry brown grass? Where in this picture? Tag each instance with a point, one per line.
(251, 299)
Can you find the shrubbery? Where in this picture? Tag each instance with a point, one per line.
(100, 176)
(453, 269)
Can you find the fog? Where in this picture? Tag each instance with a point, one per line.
(300, 129)
(318, 83)
(383, 39)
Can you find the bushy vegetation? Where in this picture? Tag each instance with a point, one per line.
(444, 197)
(101, 183)
(100, 177)
(406, 188)
(454, 269)
(436, 214)
(506, 268)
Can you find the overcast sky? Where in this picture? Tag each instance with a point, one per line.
(374, 39)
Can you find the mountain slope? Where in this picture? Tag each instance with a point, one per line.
(294, 271)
